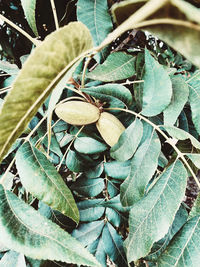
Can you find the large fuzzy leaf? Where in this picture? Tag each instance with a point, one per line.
(117, 66)
(173, 23)
(41, 179)
(29, 11)
(23, 229)
(151, 217)
(179, 99)
(94, 14)
(194, 98)
(40, 73)
(143, 166)
(157, 91)
(128, 142)
(184, 249)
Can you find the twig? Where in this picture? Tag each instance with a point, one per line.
(54, 14)
(33, 40)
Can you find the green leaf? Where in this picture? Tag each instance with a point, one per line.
(88, 145)
(111, 93)
(115, 204)
(181, 135)
(128, 142)
(117, 170)
(11, 69)
(143, 166)
(37, 238)
(113, 245)
(29, 11)
(40, 73)
(151, 217)
(184, 249)
(88, 187)
(13, 259)
(95, 15)
(179, 99)
(90, 210)
(115, 217)
(194, 99)
(195, 158)
(157, 91)
(41, 179)
(98, 250)
(88, 232)
(196, 207)
(95, 171)
(118, 66)
(74, 162)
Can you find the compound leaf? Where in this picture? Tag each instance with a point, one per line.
(157, 91)
(41, 179)
(37, 238)
(151, 217)
(40, 73)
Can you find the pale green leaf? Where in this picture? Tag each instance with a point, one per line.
(143, 166)
(151, 217)
(13, 259)
(117, 66)
(157, 91)
(95, 15)
(184, 249)
(29, 11)
(128, 142)
(39, 75)
(88, 145)
(41, 179)
(194, 99)
(37, 238)
(181, 135)
(179, 99)
(86, 233)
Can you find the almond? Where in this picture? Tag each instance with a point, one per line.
(77, 112)
(110, 128)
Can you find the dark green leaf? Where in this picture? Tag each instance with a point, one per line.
(117, 170)
(95, 15)
(128, 142)
(98, 250)
(118, 66)
(37, 238)
(88, 232)
(179, 99)
(40, 73)
(196, 207)
(74, 162)
(115, 217)
(115, 204)
(112, 189)
(113, 245)
(41, 179)
(157, 91)
(88, 187)
(111, 93)
(143, 166)
(95, 171)
(184, 249)
(151, 217)
(88, 145)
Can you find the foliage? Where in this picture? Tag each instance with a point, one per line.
(66, 196)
